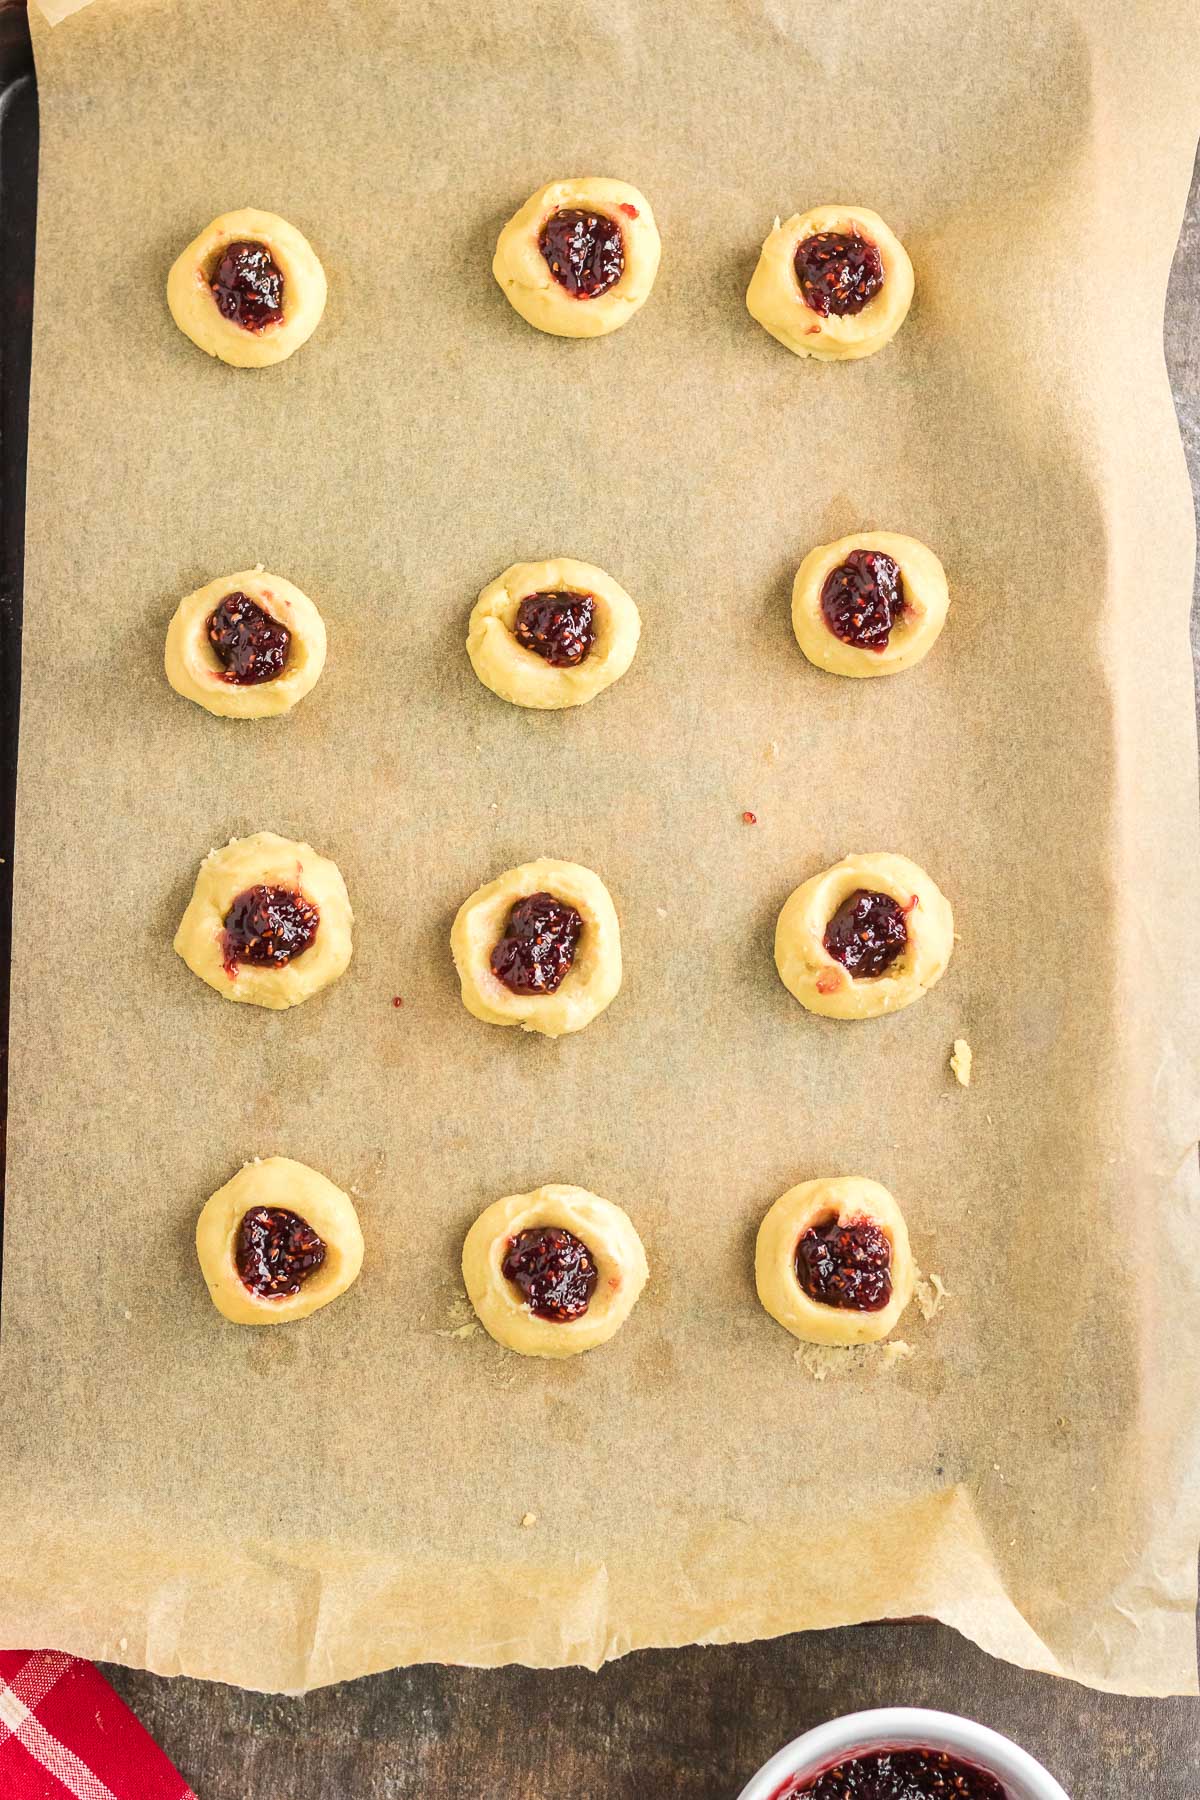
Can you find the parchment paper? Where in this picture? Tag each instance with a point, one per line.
(285, 1508)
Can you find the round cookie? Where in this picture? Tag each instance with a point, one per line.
(552, 634)
(575, 1267)
(840, 258)
(868, 936)
(245, 646)
(580, 256)
(857, 1267)
(277, 1242)
(561, 955)
(268, 923)
(249, 289)
(869, 604)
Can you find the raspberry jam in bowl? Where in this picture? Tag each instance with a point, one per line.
(902, 1753)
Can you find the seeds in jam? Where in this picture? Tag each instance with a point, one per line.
(867, 933)
(555, 1271)
(268, 927)
(560, 627)
(862, 599)
(838, 272)
(584, 251)
(247, 286)
(277, 1251)
(899, 1775)
(251, 645)
(538, 946)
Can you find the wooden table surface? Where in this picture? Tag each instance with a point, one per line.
(666, 1724)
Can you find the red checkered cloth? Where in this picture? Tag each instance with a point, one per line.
(64, 1732)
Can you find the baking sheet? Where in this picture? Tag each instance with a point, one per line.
(287, 1508)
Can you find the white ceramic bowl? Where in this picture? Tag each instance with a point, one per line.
(902, 1728)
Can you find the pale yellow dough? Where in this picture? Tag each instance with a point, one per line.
(775, 299)
(589, 984)
(819, 982)
(527, 679)
(915, 631)
(616, 1249)
(525, 277)
(846, 1197)
(195, 671)
(277, 1181)
(265, 860)
(195, 311)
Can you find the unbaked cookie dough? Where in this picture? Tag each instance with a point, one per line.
(538, 947)
(580, 257)
(269, 922)
(832, 1263)
(833, 283)
(249, 289)
(277, 1242)
(552, 634)
(553, 1272)
(868, 936)
(246, 646)
(872, 603)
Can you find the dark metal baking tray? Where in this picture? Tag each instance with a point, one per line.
(18, 222)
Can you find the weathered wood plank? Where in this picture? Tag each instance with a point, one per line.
(662, 1725)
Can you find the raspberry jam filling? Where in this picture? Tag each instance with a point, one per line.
(584, 251)
(838, 272)
(846, 1264)
(251, 646)
(554, 1270)
(862, 599)
(247, 286)
(268, 927)
(559, 627)
(277, 1251)
(538, 946)
(867, 933)
(897, 1775)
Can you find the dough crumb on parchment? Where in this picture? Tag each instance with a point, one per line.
(960, 1062)
(460, 1320)
(930, 1293)
(820, 1361)
(528, 1520)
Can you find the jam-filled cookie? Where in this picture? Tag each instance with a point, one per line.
(833, 283)
(872, 603)
(277, 1242)
(538, 947)
(249, 289)
(868, 936)
(552, 634)
(245, 646)
(269, 922)
(833, 1263)
(580, 257)
(553, 1272)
